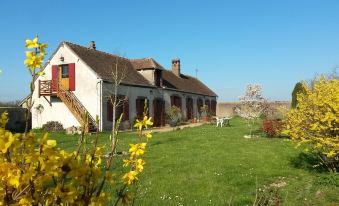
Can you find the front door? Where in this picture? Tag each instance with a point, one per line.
(189, 108)
(159, 112)
(64, 76)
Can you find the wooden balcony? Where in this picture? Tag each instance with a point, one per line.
(48, 88)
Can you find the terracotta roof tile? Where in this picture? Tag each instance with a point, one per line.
(185, 83)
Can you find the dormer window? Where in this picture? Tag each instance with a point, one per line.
(157, 78)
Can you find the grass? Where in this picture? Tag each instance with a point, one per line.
(217, 166)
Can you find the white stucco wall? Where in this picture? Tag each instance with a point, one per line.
(86, 90)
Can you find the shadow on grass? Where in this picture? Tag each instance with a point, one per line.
(309, 162)
(170, 139)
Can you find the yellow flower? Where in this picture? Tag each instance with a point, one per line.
(126, 163)
(149, 135)
(130, 177)
(51, 143)
(6, 140)
(33, 61)
(137, 149)
(147, 122)
(3, 120)
(42, 48)
(30, 44)
(144, 123)
(139, 165)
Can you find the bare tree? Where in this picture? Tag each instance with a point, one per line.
(118, 73)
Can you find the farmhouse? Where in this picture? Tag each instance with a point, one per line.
(78, 81)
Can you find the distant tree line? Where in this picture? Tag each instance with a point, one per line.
(14, 103)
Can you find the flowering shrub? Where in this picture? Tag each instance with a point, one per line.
(315, 120)
(35, 171)
(272, 127)
(252, 105)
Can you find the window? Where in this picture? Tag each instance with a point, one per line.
(176, 101)
(64, 71)
(158, 80)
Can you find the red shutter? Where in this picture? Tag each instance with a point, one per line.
(137, 104)
(109, 111)
(179, 102)
(71, 68)
(147, 102)
(126, 110)
(54, 78)
(163, 113)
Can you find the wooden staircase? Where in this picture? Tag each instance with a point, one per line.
(51, 88)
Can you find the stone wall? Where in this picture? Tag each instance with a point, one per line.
(226, 109)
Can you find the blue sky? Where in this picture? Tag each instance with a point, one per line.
(231, 43)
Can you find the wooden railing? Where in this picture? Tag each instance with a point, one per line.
(47, 88)
(50, 88)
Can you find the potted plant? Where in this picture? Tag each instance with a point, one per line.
(174, 115)
(204, 112)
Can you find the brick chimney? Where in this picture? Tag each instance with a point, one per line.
(176, 66)
(92, 45)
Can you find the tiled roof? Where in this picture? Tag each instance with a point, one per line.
(103, 64)
(185, 83)
(146, 63)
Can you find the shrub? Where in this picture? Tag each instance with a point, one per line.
(315, 120)
(53, 126)
(174, 113)
(272, 127)
(298, 88)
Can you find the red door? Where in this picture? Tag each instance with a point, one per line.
(189, 108)
(159, 112)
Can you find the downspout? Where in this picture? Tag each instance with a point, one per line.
(99, 93)
(100, 107)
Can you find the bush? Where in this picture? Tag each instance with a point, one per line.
(299, 88)
(315, 120)
(53, 126)
(272, 127)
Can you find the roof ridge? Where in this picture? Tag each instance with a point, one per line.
(114, 55)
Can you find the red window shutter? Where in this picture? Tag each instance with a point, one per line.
(137, 105)
(54, 78)
(126, 110)
(147, 107)
(71, 68)
(109, 111)
(163, 113)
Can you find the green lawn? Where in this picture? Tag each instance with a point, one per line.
(217, 166)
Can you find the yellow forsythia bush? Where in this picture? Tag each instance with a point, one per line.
(315, 120)
(36, 172)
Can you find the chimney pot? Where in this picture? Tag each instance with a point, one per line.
(176, 66)
(92, 45)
